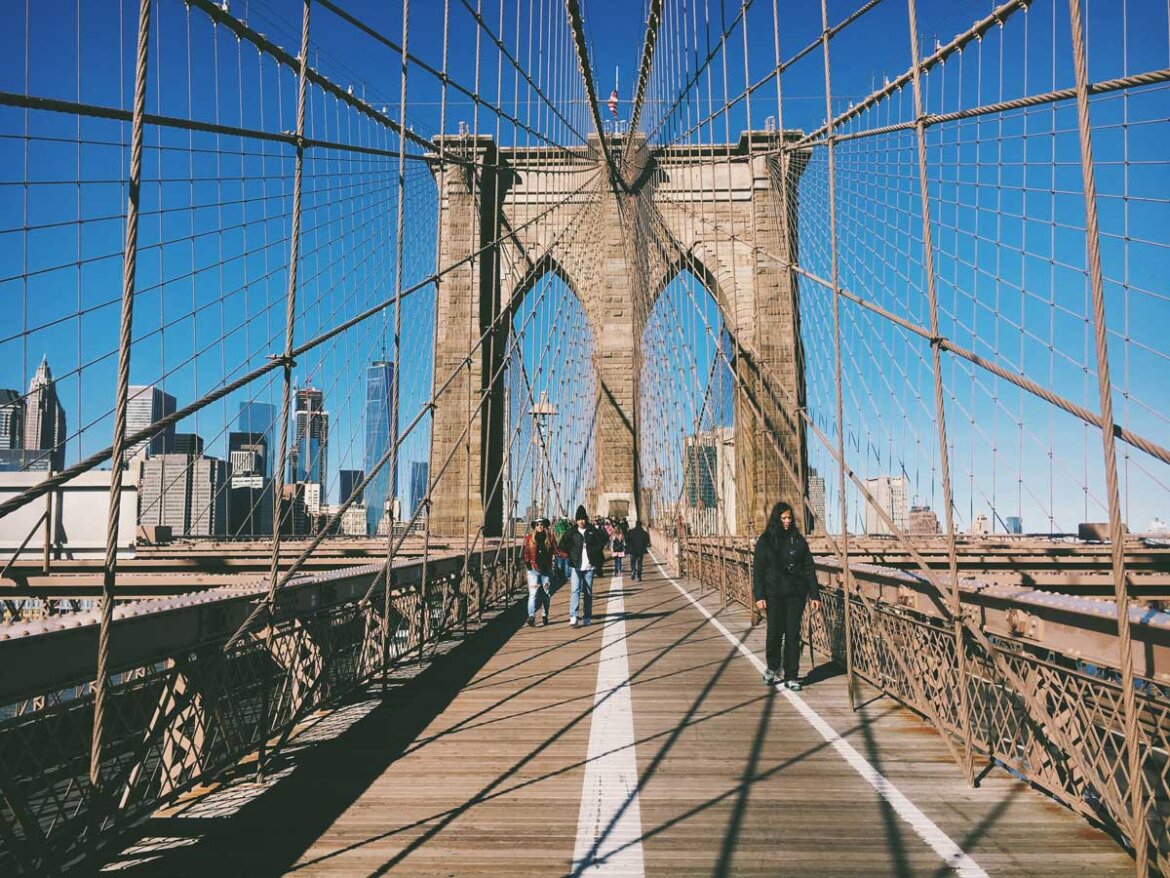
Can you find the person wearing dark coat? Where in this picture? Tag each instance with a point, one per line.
(585, 545)
(783, 579)
(637, 545)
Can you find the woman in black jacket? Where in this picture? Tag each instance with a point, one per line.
(783, 578)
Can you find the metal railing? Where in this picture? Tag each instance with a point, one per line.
(1063, 731)
(190, 697)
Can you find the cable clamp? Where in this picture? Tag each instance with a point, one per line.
(283, 359)
(937, 341)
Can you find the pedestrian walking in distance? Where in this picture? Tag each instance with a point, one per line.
(540, 548)
(783, 579)
(585, 545)
(617, 548)
(637, 545)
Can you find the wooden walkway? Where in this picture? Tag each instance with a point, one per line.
(502, 757)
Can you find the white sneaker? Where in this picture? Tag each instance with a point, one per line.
(572, 621)
(769, 677)
(793, 685)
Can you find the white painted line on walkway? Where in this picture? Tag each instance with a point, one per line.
(923, 826)
(609, 825)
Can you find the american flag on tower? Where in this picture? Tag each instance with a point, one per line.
(613, 103)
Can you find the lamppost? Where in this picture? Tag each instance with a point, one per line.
(541, 411)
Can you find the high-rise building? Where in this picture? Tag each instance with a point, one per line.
(309, 460)
(187, 494)
(420, 474)
(44, 418)
(381, 433)
(353, 521)
(350, 479)
(709, 481)
(1014, 524)
(248, 453)
(190, 444)
(260, 417)
(890, 493)
(11, 420)
(817, 500)
(980, 525)
(145, 405)
(250, 507)
(294, 518)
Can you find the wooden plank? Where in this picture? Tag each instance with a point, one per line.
(475, 766)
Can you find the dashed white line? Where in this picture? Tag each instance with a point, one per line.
(925, 828)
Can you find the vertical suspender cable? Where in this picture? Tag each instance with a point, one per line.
(842, 509)
(290, 318)
(939, 408)
(1137, 817)
(395, 381)
(129, 274)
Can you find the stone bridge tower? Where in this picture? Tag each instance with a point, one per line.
(721, 212)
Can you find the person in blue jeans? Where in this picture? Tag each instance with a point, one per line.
(540, 547)
(585, 545)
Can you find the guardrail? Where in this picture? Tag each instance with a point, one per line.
(190, 700)
(1047, 706)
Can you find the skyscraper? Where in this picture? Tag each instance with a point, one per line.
(190, 444)
(420, 473)
(381, 432)
(350, 479)
(260, 417)
(817, 500)
(250, 509)
(309, 461)
(145, 405)
(890, 494)
(11, 420)
(188, 494)
(44, 418)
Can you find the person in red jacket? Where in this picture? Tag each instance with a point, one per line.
(540, 547)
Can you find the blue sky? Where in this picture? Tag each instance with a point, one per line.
(1006, 209)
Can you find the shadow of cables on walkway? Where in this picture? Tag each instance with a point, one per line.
(271, 831)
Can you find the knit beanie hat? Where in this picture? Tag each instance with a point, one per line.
(581, 514)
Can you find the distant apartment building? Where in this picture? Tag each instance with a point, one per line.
(145, 405)
(188, 494)
(980, 525)
(353, 521)
(923, 520)
(890, 494)
(1014, 524)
